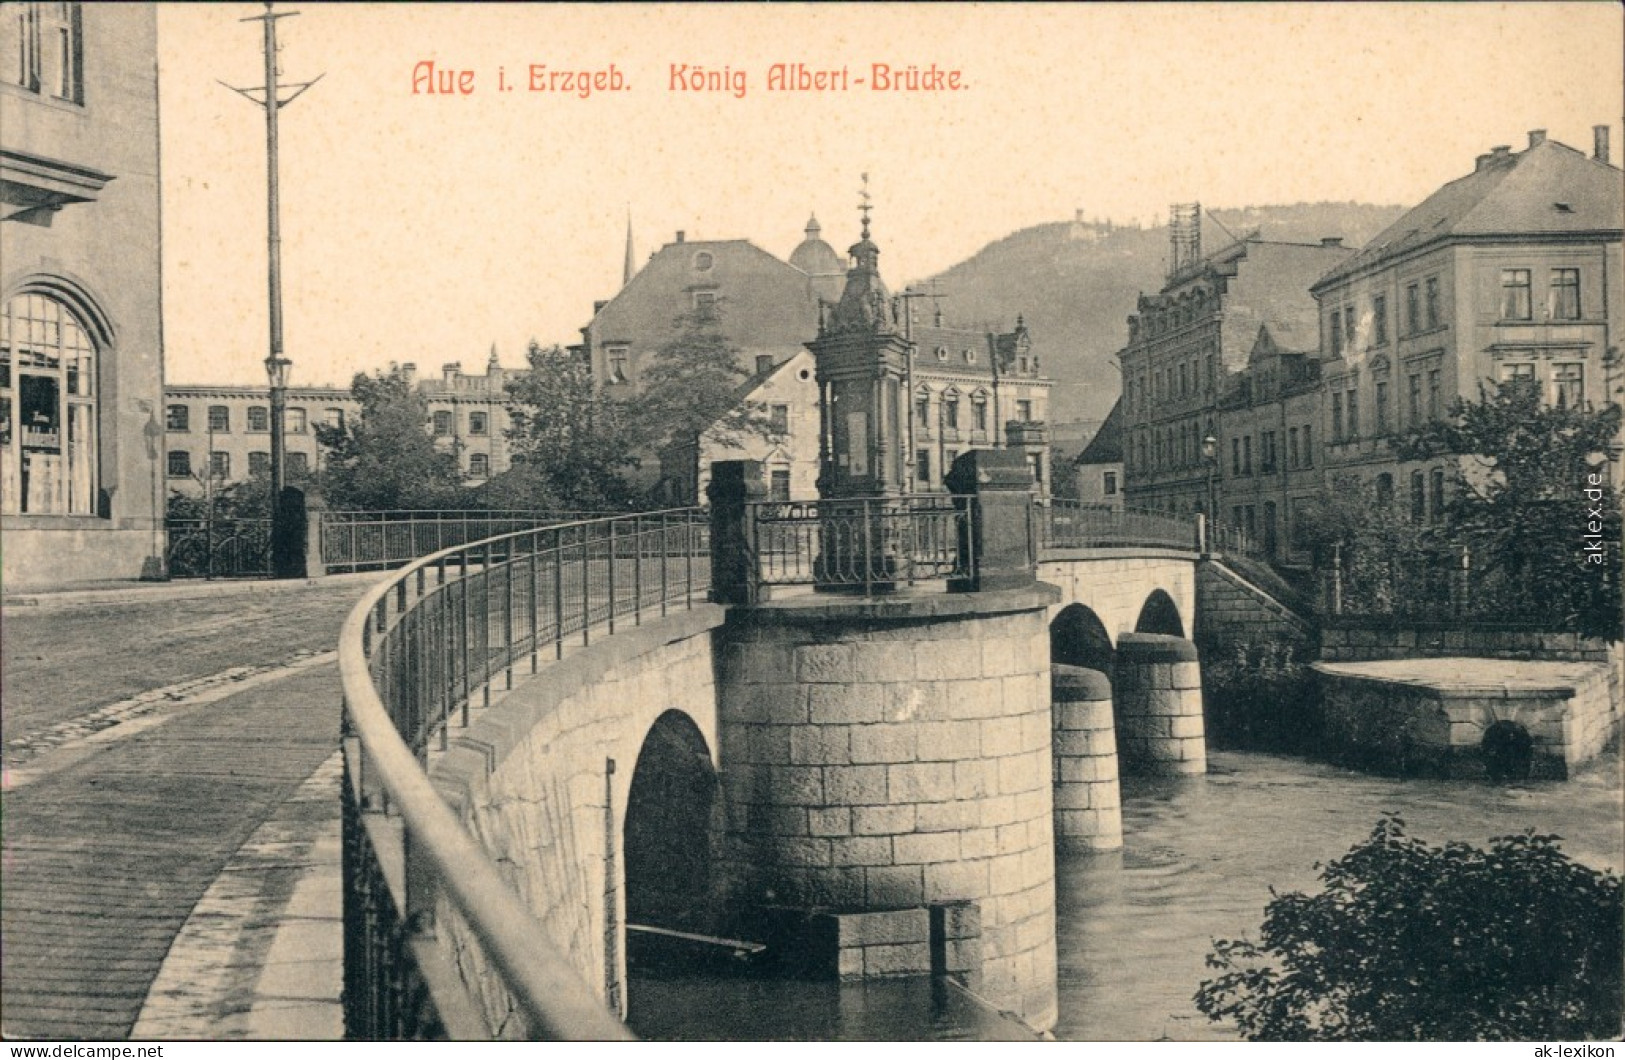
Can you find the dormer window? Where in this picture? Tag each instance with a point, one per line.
(970, 356)
(942, 353)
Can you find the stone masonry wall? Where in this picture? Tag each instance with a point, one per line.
(528, 779)
(895, 753)
(1230, 610)
(1088, 806)
(1158, 697)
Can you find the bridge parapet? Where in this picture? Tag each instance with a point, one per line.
(417, 649)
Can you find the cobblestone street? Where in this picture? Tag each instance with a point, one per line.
(146, 739)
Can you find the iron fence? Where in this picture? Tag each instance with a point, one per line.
(218, 548)
(867, 544)
(357, 541)
(1074, 524)
(415, 653)
(1464, 583)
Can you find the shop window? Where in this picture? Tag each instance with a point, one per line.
(48, 409)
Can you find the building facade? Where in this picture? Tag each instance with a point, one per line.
(767, 307)
(973, 390)
(788, 394)
(81, 355)
(1187, 344)
(219, 435)
(1097, 472)
(1512, 271)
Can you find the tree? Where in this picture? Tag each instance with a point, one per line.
(573, 445)
(692, 387)
(1412, 942)
(384, 459)
(1529, 484)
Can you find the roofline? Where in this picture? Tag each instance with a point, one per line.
(1383, 261)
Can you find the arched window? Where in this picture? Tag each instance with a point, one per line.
(47, 409)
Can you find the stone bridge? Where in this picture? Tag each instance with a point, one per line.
(871, 786)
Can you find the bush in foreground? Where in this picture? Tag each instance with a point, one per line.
(1412, 942)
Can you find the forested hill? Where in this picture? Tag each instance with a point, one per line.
(1076, 283)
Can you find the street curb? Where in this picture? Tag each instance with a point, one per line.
(22, 603)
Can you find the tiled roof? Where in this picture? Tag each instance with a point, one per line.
(1548, 189)
(1106, 447)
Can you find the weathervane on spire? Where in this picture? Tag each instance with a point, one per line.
(865, 206)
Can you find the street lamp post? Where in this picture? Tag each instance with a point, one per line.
(1210, 454)
(276, 366)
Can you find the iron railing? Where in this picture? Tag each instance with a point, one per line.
(218, 548)
(1466, 584)
(416, 651)
(357, 541)
(1073, 524)
(861, 544)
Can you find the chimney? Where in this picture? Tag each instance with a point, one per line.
(1480, 162)
(1331, 241)
(1599, 143)
(764, 363)
(409, 372)
(451, 370)
(598, 305)
(1500, 151)
(680, 235)
(1537, 137)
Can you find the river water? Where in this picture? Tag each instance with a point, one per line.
(1133, 927)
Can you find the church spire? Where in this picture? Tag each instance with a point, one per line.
(630, 266)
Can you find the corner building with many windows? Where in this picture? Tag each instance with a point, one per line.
(1512, 271)
(81, 359)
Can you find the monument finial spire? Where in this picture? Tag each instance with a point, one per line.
(865, 205)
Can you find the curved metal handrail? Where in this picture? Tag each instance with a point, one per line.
(536, 973)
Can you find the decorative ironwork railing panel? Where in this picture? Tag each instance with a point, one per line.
(416, 650)
(861, 543)
(1072, 524)
(218, 548)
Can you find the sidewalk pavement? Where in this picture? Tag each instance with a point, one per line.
(78, 594)
(262, 955)
(180, 863)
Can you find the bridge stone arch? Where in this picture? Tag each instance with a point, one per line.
(669, 827)
(1116, 584)
(544, 781)
(1159, 614)
(1077, 637)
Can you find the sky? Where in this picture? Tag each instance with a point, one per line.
(424, 227)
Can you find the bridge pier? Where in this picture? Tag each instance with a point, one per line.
(1158, 693)
(1088, 807)
(892, 754)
